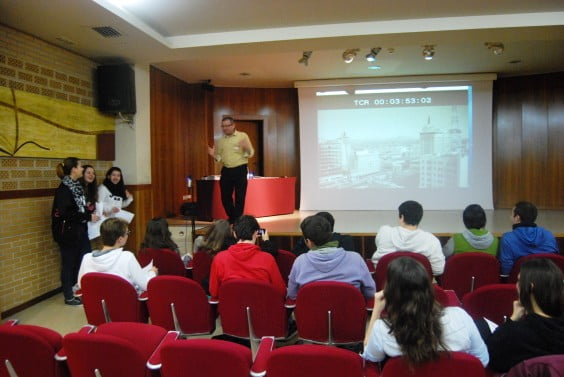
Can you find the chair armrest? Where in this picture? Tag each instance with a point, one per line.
(154, 361)
(265, 348)
(370, 304)
(190, 265)
(11, 322)
(290, 304)
(371, 369)
(77, 293)
(143, 296)
(370, 266)
(452, 298)
(61, 355)
(213, 300)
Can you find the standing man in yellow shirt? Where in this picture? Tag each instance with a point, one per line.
(233, 150)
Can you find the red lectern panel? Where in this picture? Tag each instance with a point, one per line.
(266, 196)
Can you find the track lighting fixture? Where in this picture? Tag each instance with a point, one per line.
(305, 58)
(371, 57)
(428, 52)
(495, 47)
(350, 54)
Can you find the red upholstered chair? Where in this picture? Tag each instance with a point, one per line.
(330, 312)
(29, 351)
(180, 304)
(493, 302)
(467, 271)
(542, 366)
(311, 360)
(446, 297)
(450, 364)
(556, 258)
(285, 261)
(201, 267)
(251, 309)
(381, 271)
(213, 358)
(114, 349)
(110, 298)
(167, 261)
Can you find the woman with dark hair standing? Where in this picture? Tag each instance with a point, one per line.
(158, 236)
(416, 326)
(90, 185)
(112, 193)
(536, 326)
(69, 217)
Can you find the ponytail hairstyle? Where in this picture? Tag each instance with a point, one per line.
(65, 167)
(413, 314)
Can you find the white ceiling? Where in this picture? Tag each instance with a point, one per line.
(219, 40)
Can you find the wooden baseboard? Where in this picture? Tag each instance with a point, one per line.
(30, 303)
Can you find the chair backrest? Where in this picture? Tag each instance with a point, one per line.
(542, 366)
(205, 358)
(381, 271)
(29, 350)
(117, 295)
(312, 360)
(285, 260)
(267, 311)
(180, 304)
(115, 349)
(493, 302)
(450, 364)
(330, 312)
(446, 298)
(467, 271)
(167, 261)
(201, 266)
(556, 258)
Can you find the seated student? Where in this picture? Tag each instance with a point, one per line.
(416, 325)
(327, 261)
(345, 241)
(218, 237)
(475, 237)
(158, 236)
(245, 260)
(526, 237)
(408, 237)
(536, 326)
(112, 259)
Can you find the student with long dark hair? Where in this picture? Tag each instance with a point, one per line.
(158, 236)
(536, 326)
(416, 325)
(112, 192)
(90, 185)
(68, 224)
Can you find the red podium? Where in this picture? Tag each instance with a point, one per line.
(266, 196)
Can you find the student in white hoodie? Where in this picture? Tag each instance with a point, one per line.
(112, 259)
(408, 237)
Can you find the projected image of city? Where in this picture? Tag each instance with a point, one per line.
(425, 147)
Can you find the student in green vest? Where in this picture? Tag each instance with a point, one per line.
(475, 237)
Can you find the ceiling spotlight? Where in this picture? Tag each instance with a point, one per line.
(305, 58)
(495, 47)
(350, 54)
(428, 52)
(371, 57)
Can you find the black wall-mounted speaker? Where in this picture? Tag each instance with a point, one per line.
(116, 89)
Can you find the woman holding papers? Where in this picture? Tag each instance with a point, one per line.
(112, 193)
(536, 326)
(68, 224)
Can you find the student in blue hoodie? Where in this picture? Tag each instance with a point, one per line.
(328, 262)
(526, 237)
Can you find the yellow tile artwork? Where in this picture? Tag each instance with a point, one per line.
(32, 125)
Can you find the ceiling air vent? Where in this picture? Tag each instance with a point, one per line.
(107, 31)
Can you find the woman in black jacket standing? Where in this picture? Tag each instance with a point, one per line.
(69, 217)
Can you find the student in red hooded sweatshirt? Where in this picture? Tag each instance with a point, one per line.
(245, 260)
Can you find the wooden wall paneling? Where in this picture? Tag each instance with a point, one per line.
(507, 145)
(142, 208)
(555, 153)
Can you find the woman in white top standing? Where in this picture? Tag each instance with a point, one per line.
(112, 193)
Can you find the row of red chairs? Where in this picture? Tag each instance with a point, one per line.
(143, 350)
